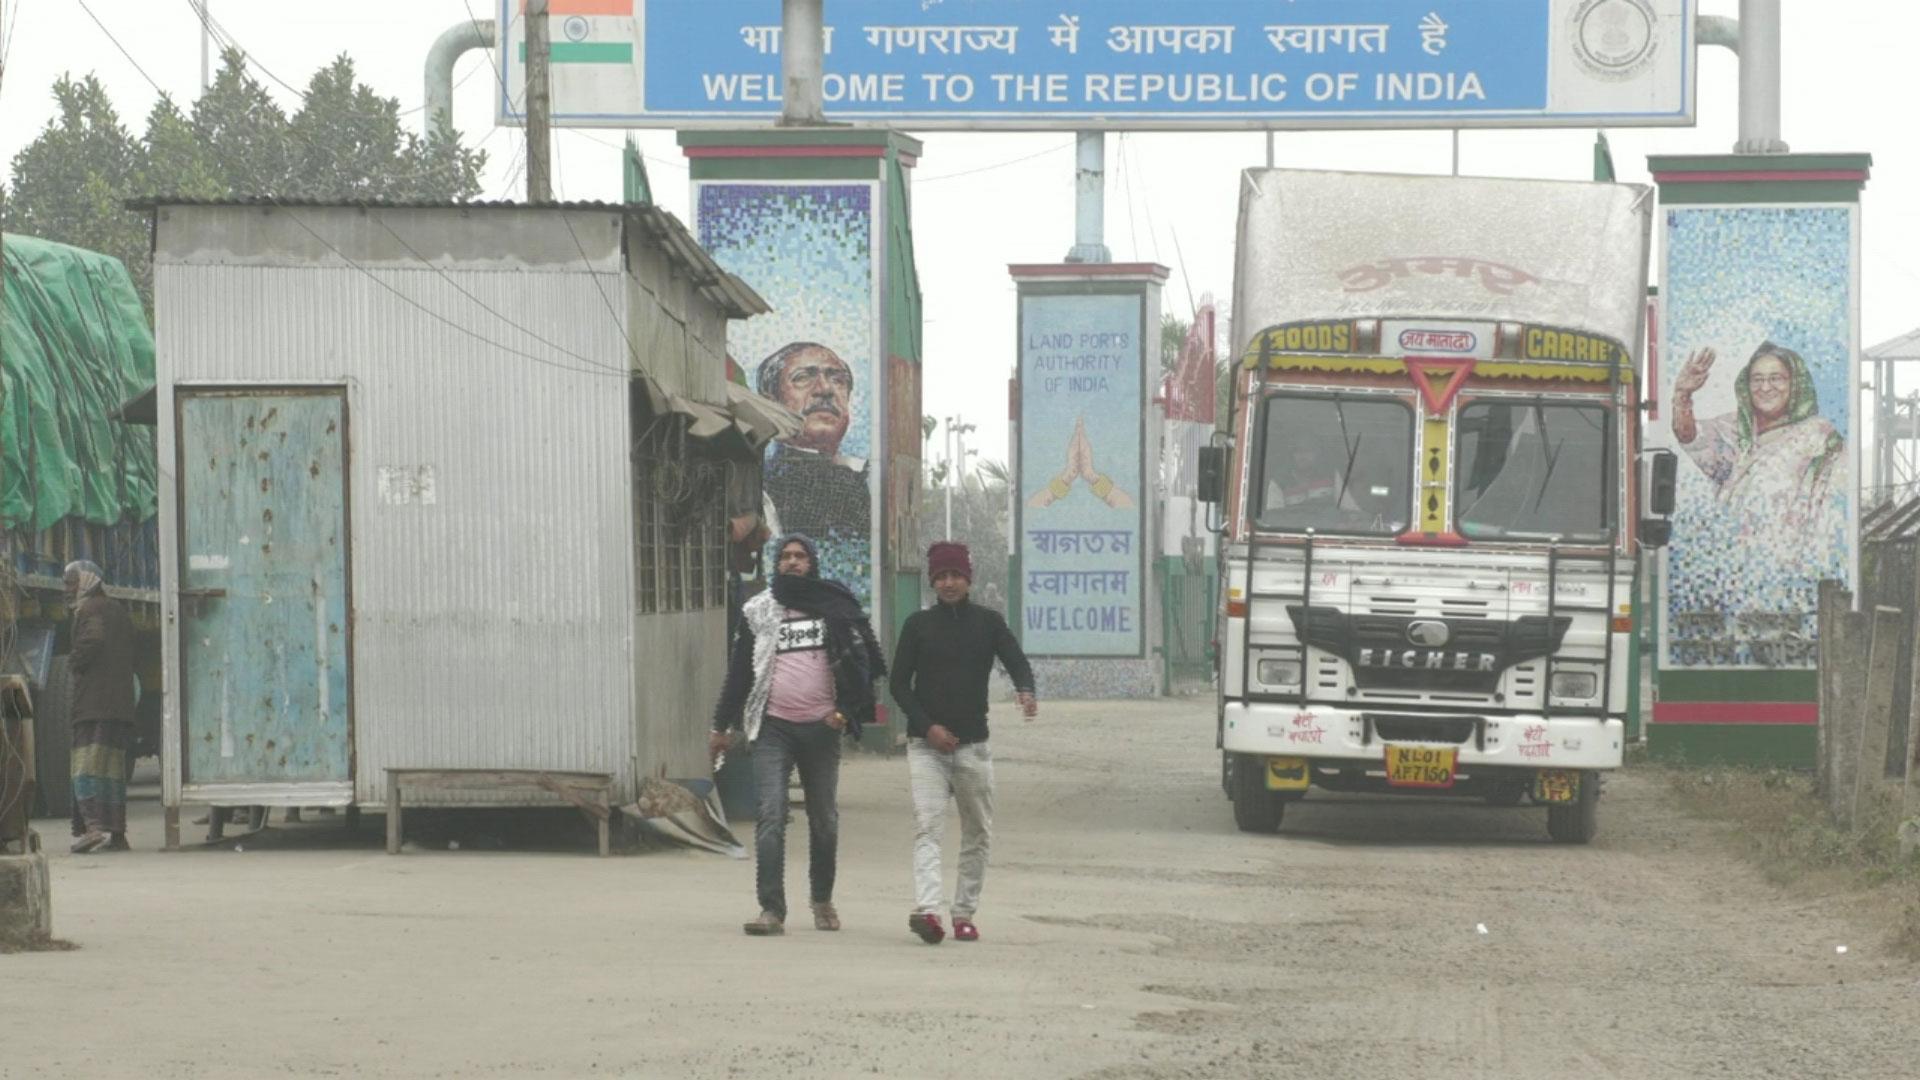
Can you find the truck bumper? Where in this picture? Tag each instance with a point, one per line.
(1515, 741)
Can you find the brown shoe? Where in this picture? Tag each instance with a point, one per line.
(825, 918)
(767, 925)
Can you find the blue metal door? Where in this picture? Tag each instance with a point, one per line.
(263, 600)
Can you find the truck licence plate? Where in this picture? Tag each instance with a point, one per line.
(1420, 766)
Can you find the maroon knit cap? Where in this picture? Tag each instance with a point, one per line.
(949, 555)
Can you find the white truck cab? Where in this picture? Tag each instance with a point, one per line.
(1432, 503)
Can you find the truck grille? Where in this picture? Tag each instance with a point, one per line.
(1438, 729)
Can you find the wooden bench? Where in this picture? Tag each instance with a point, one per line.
(589, 792)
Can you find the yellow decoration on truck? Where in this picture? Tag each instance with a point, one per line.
(1435, 457)
(1545, 343)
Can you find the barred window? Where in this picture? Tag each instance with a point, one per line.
(680, 528)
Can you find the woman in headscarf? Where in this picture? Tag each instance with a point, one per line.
(101, 662)
(1774, 454)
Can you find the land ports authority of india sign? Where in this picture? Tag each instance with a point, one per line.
(1081, 511)
(998, 64)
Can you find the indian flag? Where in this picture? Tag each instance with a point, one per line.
(587, 31)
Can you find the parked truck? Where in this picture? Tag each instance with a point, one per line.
(1433, 498)
(76, 478)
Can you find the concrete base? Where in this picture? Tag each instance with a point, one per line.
(26, 896)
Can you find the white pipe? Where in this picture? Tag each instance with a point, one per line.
(1760, 78)
(1090, 201)
(803, 47)
(447, 49)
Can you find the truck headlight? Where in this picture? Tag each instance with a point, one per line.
(1279, 672)
(1575, 685)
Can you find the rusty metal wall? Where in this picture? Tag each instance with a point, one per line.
(488, 432)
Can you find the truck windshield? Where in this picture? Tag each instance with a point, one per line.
(1335, 463)
(1534, 470)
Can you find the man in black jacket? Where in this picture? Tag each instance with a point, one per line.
(800, 672)
(940, 669)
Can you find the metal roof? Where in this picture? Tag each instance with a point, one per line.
(725, 290)
(1904, 347)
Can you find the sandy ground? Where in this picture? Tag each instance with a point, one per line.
(1129, 932)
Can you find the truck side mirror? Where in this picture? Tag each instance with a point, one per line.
(1211, 471)
(1663, 472)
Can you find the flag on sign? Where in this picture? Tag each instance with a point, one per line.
(587, 31)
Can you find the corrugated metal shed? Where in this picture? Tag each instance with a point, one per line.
(485, 351)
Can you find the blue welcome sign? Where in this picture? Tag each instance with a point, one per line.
(1081, 517)
(1000, 64)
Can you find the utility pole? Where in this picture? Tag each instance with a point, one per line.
(956, 462)
(539, 106)
(206, 44)
(948, 535)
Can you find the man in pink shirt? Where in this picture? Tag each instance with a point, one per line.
(800, 671)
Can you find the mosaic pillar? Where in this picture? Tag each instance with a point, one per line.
(817, 221)
(1755, 391)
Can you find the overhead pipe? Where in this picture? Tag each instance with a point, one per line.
(448, 48)
(1755, 38)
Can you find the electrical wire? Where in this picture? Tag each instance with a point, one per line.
(484, 306)
(1126, 189)
(292, 214)
(1146, 197)
(598, 369)
(230, 43)
(12, 22)
(122, 48)
(619, 326)
(990, 168)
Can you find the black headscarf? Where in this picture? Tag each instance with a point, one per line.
(817, 596)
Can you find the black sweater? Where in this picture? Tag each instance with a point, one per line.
(941, 665)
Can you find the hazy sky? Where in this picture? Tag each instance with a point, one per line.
(1849, 86)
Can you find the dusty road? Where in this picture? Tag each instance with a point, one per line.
(1129, 932)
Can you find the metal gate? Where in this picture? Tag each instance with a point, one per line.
(1189, 608)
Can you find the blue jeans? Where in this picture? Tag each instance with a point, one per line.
(815, 750)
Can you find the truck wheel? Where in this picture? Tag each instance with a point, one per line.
(53, 741)
(1255, 809)
(1577, 821)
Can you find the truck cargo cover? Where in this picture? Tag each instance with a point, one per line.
(74, 345)
(1334, 245)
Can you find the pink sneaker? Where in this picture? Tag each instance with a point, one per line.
(964, 930)
(928, 927)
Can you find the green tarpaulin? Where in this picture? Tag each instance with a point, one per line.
(74, 345)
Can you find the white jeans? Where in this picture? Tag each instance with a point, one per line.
(967, 776)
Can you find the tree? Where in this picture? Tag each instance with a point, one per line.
(68, 183)
(1173, 338)
(345, 143)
